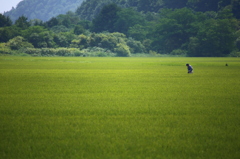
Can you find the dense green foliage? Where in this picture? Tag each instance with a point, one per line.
(42, 9)
(126, 108)
(90, 8)
(5, 21)
(123, 29)
(106, 19)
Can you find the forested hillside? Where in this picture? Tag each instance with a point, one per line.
(90, 8)
(129, 28)
(42, 9)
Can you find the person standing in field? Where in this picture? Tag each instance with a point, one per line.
(190, 68)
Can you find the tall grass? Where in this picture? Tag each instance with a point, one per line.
(119, 108)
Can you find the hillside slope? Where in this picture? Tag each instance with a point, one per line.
(90, 8)
(42, 9)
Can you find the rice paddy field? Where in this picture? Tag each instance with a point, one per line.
(119, 108)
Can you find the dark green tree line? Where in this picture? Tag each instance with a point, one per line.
(175, 30)
(5, 21)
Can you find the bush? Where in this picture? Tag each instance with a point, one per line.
(235, 54)
(19, 42)
(64, 52)
(152, 53)
(102, 54)
(48, 52)
(78, 54)
(75, 52)
(115, 42)
(4, 49)
(135, 46)
(33, 51)
(179, 52)
(53, 52)
(97, 52)
(122, 50)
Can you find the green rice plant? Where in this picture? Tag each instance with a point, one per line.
(82, 107)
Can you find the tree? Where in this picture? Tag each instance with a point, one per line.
(204, 5)
(225, 14)
(167, 36)
(59, 29)
(5, 21)
(122, 50)
(174, 30)
(52, 22)
(85, 23)
(150, 5)
(36, 22)
(138, 32)
(19, 42)
(33, 29)
(22, 22)
(135, 46)
(78, 30)
(235, 8)
(69, 36)
(215, 38)
(127, 18)
(82, 41)
(7, 33)
(39, 36)
(66, 22)
(61, 40)
(106, 19)
(175, 4)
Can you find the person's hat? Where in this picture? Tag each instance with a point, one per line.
(187, 64)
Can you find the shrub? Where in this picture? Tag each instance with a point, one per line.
(78, 54)
(179, 52)
(63, 52)
(97, 51)
(4, 49)
(75, 52)
(53, 52)
(48, 52)
(33, 51)
(18, 42)
(135, 46)
(235, 54)
(122, 50)
(152, 53)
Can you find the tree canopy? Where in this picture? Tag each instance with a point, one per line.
(127, 27)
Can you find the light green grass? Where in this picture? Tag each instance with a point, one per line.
(119, 108)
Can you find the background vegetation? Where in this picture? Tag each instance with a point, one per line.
(119, 108)
(126, 28)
